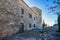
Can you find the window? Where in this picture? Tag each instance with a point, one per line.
(34, 18)
(22, 11)
(30, 25)
(34, 25)
(30, 16)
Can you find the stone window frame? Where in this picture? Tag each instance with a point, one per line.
(30, 25)
(30, 15)
(22, 11)
(34, 25)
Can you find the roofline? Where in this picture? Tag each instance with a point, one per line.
(28, 7)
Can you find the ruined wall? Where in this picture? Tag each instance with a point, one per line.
(9, 17)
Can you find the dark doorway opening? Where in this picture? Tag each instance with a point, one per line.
(21, 27)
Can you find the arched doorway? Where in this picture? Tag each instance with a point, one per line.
(21, 27)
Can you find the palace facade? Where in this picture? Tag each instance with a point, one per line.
(16, 14)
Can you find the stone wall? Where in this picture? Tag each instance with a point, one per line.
(9, 17)
(38, 17)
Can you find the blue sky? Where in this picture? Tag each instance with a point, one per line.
(49, 18)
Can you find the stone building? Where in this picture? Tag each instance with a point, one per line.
(15, 14)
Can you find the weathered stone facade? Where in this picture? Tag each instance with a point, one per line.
(38, 17)
(10, 16)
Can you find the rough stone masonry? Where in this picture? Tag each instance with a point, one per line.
(9, 17)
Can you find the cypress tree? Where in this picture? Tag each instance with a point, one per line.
(59, 23)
